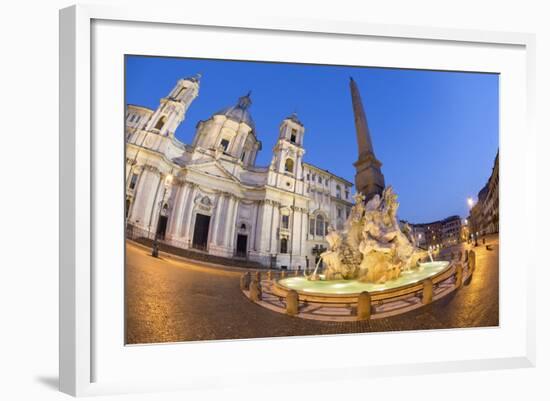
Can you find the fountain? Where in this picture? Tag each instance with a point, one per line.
(371, 258)
(371, 253)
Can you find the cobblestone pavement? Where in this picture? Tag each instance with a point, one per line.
(168, 299)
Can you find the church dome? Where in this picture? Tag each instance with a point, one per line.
(294, 118)
(239, 112)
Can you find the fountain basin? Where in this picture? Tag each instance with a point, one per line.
(347, 291)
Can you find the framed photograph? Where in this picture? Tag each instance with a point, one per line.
(327, 191)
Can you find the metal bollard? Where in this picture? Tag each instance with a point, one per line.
(458, 275)
(292, 302)
(364, 306)
(255, 291)
(427, 291)
(245, 281)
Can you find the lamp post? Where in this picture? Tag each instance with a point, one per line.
(155, 249)
(470, 201)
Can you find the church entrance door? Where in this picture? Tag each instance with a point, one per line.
(241, 245)
(161, 227)
(200, 234)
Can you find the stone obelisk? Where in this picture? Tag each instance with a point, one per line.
(368, 176)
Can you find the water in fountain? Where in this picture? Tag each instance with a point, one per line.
(314, 276)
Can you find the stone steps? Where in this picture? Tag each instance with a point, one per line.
(202, 256)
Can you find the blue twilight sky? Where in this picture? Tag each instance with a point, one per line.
(436, 133)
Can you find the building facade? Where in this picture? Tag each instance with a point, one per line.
(438, 234)
(212, 197)
(484, 215)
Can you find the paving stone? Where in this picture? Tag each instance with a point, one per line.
(170, 300)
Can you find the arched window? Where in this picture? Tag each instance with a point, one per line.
(319, 225)
(224, 144)
(293, 134)
(160, 123)
(289, 165)
(284, 245)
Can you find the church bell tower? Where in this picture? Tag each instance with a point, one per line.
(288, 152)
(369, 179)
(171, 111)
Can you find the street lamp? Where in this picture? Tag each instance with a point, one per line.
(155, 250)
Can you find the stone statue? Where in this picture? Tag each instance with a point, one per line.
(372, 247)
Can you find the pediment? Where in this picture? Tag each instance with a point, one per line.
(212, 169)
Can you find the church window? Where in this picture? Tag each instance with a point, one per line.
(289, 165)
(224, 144)
(320, 179)
(160, 123)
(133, 181)
(347, 193)
(284, 221)
(128, 204)
(312, 226)
(319, 225)
(326, 182)
(284, 245)
(183, 88)
(307, 176)
(293, 136)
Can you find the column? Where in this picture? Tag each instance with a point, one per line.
(144, 201)
(256, 222)
(305, 227)
(274, 225)
(188, 214)
(151, 218)
(176, 193)
(228, 222)
(264, 227)
(175, 215)
(181, 206)
(233, 225)
(218, 215)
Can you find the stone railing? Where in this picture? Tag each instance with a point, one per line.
(459, 272)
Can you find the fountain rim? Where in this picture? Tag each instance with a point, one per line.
(399, 291)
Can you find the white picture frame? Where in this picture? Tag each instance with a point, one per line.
(82, 344)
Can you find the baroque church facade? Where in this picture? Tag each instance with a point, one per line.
(211, 196)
